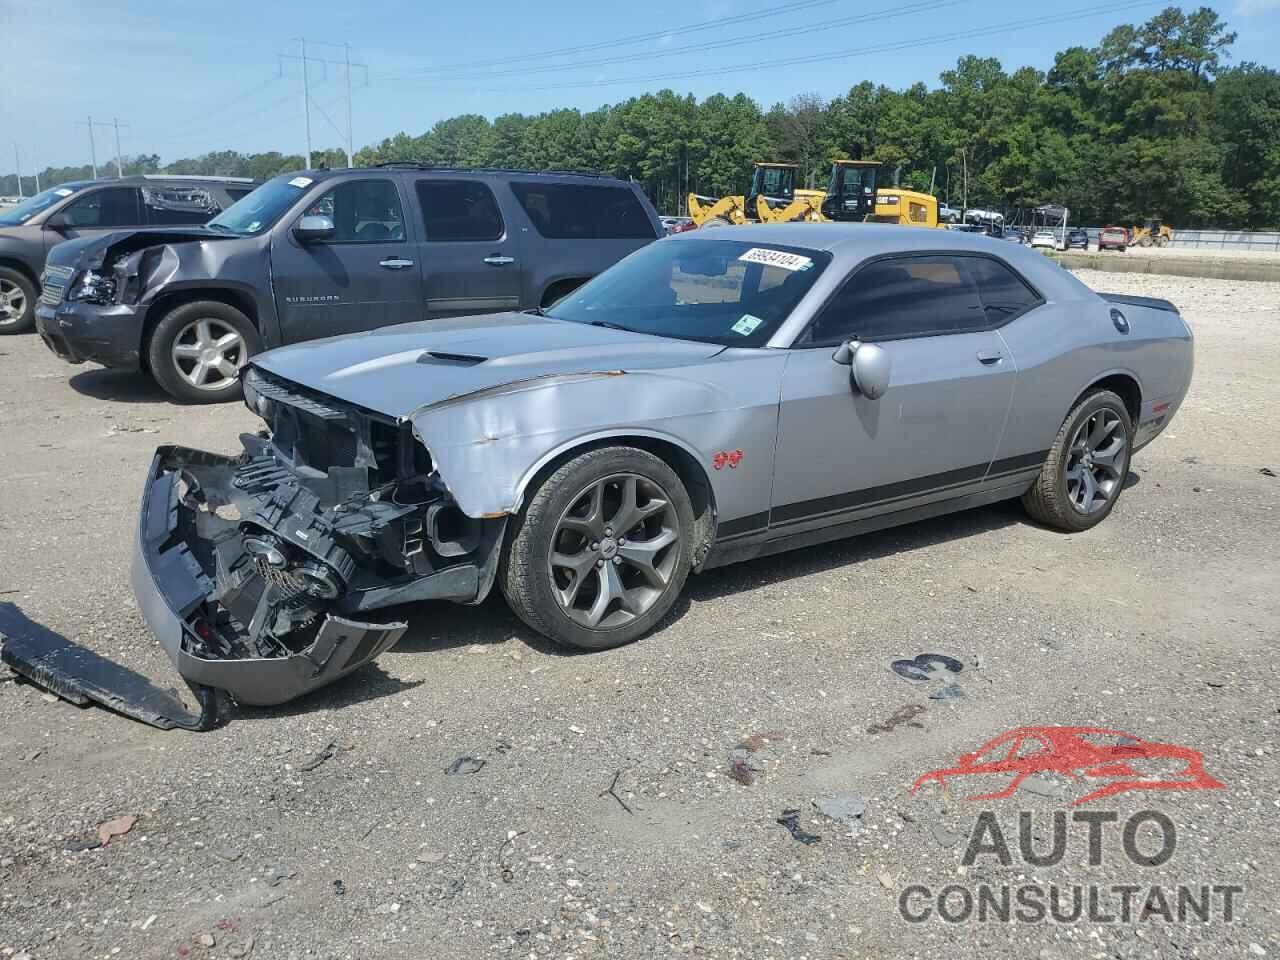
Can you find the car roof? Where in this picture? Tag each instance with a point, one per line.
(851, 243)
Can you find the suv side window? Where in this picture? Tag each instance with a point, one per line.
(177, 205)
(362, 211)
(111, 207)
(572, 211)
(459, 210)
(1004, 294)
(901, 297)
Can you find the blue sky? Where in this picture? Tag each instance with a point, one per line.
(189, 78)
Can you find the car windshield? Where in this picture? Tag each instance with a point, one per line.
(717, 291)
(258, 210)
(16, 216)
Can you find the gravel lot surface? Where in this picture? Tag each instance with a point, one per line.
(328, 828)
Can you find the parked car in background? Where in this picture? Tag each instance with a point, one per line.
(1078, 238)
(717, 396)
(1044, 239)
(92, 208)
(325, 252)
(677, 224)
(1113, 238)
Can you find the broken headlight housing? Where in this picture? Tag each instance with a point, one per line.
(91, 287)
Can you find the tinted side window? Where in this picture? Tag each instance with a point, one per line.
(363, 211)
(902, 297)
(176, 205)
(570, 211)
(112, 207)
(459, 210)
(235, 193)
(1003, 293)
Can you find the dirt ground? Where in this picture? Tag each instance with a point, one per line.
(328, 828)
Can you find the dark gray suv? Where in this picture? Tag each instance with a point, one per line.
(329, 252)
(92, 208)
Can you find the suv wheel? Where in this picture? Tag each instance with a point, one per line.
(602, 550)
(17, 302)
(196, 351)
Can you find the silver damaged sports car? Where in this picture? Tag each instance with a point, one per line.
(716, 396)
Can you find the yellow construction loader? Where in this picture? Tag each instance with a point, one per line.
(1153, 233)
(772, 185)
(853, 197)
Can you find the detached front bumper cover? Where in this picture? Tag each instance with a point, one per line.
(175, 593)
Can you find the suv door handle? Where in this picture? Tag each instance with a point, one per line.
(497, 260)
(989, 357)
(395, 263)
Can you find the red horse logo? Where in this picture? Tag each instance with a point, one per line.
(1088, 756)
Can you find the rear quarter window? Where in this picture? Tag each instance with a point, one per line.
(570, 211)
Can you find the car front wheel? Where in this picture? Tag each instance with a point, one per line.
(602, 549)
(17, 302)
(196, 351)
(1085, 471)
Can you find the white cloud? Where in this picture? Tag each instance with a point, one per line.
(1251, 8)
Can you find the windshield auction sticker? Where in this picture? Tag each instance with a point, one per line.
(776, 258)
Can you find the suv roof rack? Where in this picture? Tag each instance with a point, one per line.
(453, 168)
(194, 176)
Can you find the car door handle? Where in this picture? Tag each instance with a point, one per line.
(989, 357)
(496, 260)
(395, 263)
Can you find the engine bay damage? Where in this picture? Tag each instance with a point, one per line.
(257, 572)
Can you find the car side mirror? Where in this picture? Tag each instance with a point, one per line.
(59, 221)
(314, 228)
(868, 367)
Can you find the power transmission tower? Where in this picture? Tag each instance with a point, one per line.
(93, 149)
(307, 103)
(306, 97)
(17, 165)
(116, 124)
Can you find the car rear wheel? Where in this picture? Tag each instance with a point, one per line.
(1085, 471)
(196, 351)
(602, 549)
(17, 302)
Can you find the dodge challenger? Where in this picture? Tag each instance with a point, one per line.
(710, 399)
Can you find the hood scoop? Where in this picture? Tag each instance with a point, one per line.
(450, 359)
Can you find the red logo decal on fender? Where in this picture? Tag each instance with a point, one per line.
(730, 458)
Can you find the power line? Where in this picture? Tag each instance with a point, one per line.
(748, 17)
(923, 6)
(755, 65)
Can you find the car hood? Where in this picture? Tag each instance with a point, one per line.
(398, 370)
(93, 251)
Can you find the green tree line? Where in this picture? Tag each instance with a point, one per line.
(1150, 122)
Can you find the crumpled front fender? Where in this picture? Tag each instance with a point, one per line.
(487, 448)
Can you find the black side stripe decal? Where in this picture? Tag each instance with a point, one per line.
(749, 524)
(872, 496)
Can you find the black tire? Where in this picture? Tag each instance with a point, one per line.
(526, 574)
(26, 320)
(168, 370)
(1048, 501)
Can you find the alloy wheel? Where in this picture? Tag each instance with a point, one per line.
(13, 303)
(207, 353)
(1097, 460)
(614, 551)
